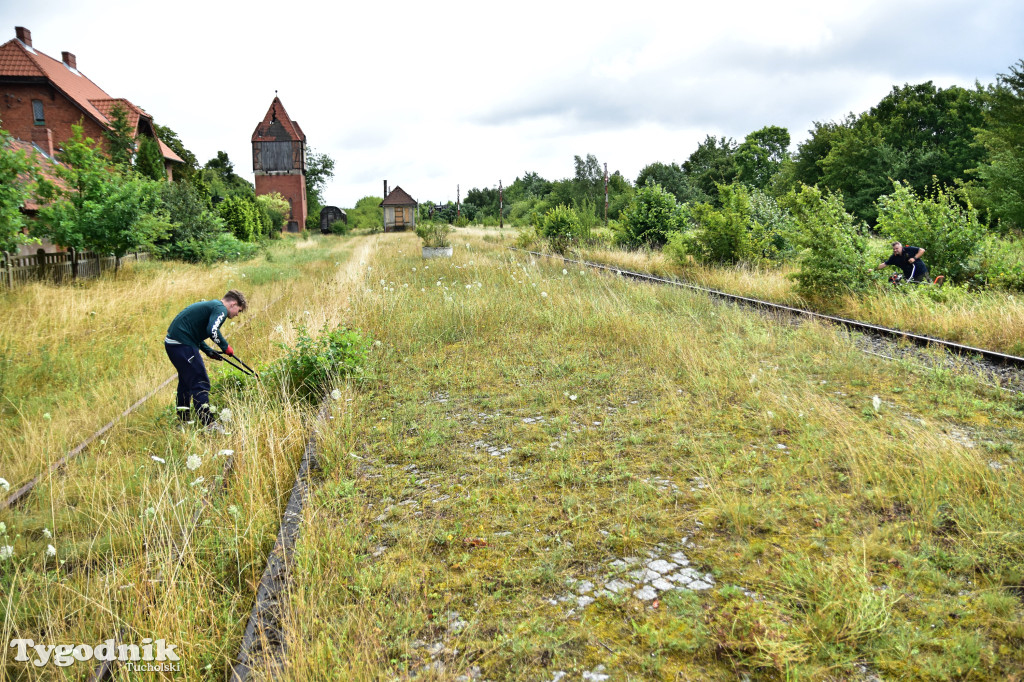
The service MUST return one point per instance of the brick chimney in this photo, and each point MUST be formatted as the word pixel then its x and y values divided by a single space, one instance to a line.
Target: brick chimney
pixel 69 60
pixel 43 138
pixel 23 34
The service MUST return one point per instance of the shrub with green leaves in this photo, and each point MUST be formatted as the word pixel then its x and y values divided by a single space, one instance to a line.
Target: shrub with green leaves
pixel 434 234
pixel 308 368
pixel 562 228
pixel 947 230
pixel 650 217
pixel 833 259
pixel 241 217
pixel 339 227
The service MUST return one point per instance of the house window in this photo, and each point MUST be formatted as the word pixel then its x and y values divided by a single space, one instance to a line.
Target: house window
pixel 37 112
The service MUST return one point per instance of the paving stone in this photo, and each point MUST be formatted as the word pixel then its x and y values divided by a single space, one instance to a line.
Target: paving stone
pixel 680 559
pixel 645 593
pixel 597 675
pixel 617 586
pixel 699 585
pixel 584 587
pixel 662 584
pixel 661 566
pixel 584 601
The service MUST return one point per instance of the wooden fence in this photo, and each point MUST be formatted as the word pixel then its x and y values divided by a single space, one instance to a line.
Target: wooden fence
pixel 65 266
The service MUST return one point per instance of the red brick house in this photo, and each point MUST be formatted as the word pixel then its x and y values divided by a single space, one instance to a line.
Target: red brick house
pixel 279 162
pixel 41 97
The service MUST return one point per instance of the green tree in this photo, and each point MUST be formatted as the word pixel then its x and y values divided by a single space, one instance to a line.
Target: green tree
pixel 277 209
pixel 672 178
pixel 319 169
pixel 813 151
pixel 562 227
pixel 194 228
pixel 949 232
pixel 759 156
pixel 219 179
pixel 19 180
pixel 367 214
pixel 149 161
pixel 240 216
pixel 713 163
pixel 120 136
pixel 101 209
pixel 484 202
pixel 913 134
pixel 1002 138
pixel 188 170
pixel 834 246
pixel 650 218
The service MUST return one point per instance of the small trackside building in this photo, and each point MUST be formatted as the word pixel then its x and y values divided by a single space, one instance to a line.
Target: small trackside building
pixel 399 210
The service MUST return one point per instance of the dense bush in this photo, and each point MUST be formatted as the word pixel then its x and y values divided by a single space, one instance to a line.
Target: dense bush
pixel 241 216
pixel 1002 264
pixel 949 233
pixel 833 257
pixel 434 234
pixel 366 214
pixel 194 227
pixel 339 227
pixel 561 226
pixel 650 217
pixel 221 247
pixel 308 368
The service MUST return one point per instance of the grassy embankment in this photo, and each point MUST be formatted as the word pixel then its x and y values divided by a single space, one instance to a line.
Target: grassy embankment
pixel 135 549
pixel 528 431
pixel 986 319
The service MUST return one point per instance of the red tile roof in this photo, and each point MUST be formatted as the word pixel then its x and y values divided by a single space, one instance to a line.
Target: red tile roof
pixel 277 123
pixel 45 163
pixel 17 59
pixel 398 197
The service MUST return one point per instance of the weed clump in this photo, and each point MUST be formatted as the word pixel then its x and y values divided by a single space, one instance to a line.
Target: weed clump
pixel 310 366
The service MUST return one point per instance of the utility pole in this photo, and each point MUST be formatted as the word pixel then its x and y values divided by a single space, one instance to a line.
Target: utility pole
pixel 501 213
pixel 458 209
pixel 606 194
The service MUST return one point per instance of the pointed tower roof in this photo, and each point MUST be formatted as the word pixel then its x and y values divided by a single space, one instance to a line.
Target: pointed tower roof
pixel 277 126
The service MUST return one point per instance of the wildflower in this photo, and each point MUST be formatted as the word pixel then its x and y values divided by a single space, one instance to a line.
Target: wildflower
pixel 51 551
pixel 469 286
pixel 194 462
pixel 183 409
pixel 572 397
pixel 3 528
pixel 225 415
pixel 877 402
pixel 197 481
pixel 6 552
pixel 233 511
pixel 279 329
pixel 422 290
pixel 306 312
pixel 414 269
pixel 581 272
pixel 336 394
pixel 564 271
pixel 405 285
pixel 213 409
pixel 157 459
pixel 47 417
pixel 4 484
pixel 150 513
pixel 47 533
pixel 225 453
pixel 377 342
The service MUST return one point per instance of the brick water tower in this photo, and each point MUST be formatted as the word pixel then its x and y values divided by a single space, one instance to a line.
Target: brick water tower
pixel 279 161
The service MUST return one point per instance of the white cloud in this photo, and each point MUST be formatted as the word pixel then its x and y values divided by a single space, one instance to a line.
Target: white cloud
pixel 430 95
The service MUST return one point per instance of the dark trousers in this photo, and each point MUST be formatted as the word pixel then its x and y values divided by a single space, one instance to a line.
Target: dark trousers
pixel 193 382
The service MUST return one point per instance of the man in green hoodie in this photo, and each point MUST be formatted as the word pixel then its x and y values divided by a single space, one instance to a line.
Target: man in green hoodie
pixel 185 338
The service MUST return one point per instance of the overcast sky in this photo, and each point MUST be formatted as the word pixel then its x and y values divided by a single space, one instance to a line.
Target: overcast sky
pixel 429 95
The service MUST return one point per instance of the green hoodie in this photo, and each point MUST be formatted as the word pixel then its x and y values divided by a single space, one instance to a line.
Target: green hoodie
pixel 199 321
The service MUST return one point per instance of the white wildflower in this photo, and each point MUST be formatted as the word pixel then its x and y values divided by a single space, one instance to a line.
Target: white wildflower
pixel 150 513
pixel 6 552
pixel 279 329
pixel 544 294
pixel 4 484
pixel 233 511
pixel 225 453
pixel 414 269
pixel 422 290
pixel 157 459
pixel 564 271
pixel 47 416
pixel 876 402
pixel 572 397
pixel 3 528
pixel 197 481
pixel 51 551
pixel 225 415
pixel 194 462
pixel 336 394
pixel 47 533
pixel 306 312
pixel 377 342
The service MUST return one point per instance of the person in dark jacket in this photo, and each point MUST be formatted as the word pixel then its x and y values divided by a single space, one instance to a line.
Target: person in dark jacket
pixel 186 337
pixel 907 259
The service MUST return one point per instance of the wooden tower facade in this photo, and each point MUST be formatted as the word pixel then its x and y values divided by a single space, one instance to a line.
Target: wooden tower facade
pixel 279 161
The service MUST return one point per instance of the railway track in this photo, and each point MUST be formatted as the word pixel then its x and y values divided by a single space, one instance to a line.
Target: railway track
pixel 991 358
